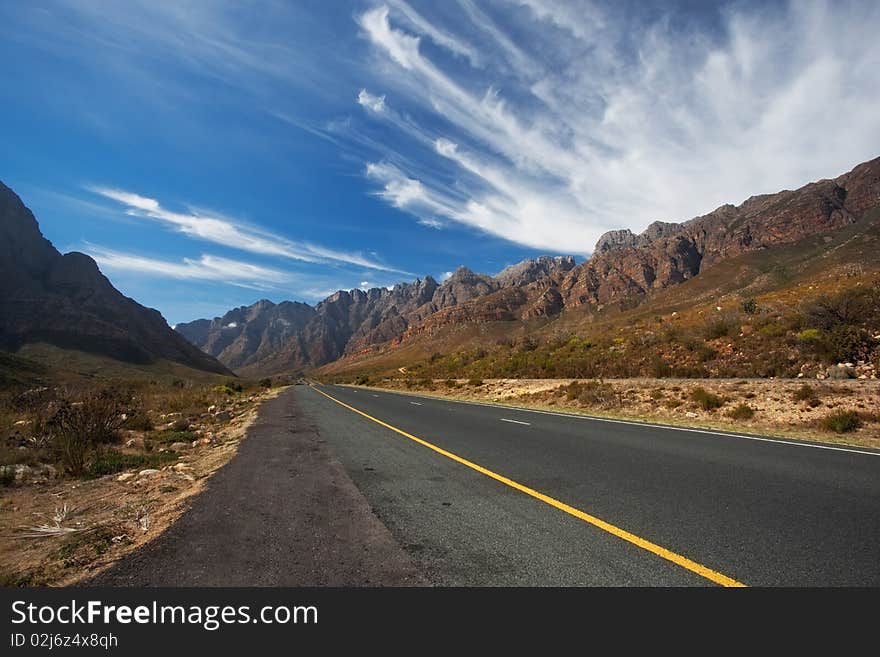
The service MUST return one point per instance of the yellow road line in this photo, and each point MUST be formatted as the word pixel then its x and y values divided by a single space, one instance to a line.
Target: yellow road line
pixel 658 550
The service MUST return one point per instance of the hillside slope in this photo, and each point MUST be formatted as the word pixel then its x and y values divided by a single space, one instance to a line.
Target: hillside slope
pixel 624 270
pixel 64 300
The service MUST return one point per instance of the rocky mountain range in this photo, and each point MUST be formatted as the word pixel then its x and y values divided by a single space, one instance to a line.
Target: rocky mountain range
pixel 268 338
pixel 271 338
pixel 64 300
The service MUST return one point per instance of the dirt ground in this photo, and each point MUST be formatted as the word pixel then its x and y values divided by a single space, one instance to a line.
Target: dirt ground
pixel 61 531
pixel 779 407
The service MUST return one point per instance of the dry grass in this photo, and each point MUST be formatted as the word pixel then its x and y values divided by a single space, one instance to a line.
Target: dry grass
pixel 668 401
pixel 59 531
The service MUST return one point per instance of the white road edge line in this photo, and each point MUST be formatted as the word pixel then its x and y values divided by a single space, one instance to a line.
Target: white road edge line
pixel 504 419
pixel 416 403
pixel 778 441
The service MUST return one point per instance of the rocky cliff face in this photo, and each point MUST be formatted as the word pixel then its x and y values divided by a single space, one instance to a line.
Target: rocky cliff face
pixel 529 271
pixel 623 265
pixel 66 301
pixel 249 331
pixel 666 254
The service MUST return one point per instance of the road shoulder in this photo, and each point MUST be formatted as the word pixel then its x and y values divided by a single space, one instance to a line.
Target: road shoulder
pixel 282 512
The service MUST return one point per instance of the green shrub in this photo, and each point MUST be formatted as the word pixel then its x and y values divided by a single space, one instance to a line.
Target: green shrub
pixel 224 390
pixel 7 476
pixel 705 353
pixel 805 393
pixel 362 380
pixel 705 399
pixel 138 422
pixel 234 385
pixel 475 382
pixel 80 427
pixel 809 335
pixel 841 421
pixel 749 306
pixel 773 330
pixel 450 383
pixel 266 383
pixel 672 403
pixel 660 369
pixel 741 412
pixel 850 308
pixel 848 343
pixel 172 436
pixel 111 462
pixel 718 328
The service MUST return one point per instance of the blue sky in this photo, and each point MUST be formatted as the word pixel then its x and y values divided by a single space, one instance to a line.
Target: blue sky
pixel 209 154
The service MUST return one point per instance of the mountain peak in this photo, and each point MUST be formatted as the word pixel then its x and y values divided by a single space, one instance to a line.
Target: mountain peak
pixel 528 271
pixel 66 301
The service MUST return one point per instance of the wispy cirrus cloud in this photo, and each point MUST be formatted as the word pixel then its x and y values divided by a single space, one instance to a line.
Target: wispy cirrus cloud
pixel 218 229
pixel 596 118
pixel 205 268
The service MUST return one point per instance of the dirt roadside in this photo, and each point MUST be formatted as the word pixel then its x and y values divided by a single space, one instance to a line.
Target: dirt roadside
pixel 794 408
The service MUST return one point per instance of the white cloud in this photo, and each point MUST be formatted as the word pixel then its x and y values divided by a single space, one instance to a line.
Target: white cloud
pixel 630 121
pixel 366 284
pixel 215 228
pixel 371 102
pixel 205 268
pixel 415 21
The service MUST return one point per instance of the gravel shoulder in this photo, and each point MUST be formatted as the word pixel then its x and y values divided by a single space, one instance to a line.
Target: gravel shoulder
pixel 282 512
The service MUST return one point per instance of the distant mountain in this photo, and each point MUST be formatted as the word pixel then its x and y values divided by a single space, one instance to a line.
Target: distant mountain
pixel 623 266
pixel 64 300
pixel 269 338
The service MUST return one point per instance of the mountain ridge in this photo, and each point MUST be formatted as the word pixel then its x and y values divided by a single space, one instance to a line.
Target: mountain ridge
pixel 65 300
pixel 623 266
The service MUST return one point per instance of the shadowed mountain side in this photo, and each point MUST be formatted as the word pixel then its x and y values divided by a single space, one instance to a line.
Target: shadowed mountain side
pixel 65 300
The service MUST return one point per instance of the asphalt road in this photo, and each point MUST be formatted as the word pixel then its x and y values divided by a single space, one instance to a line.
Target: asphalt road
pixel 282 512
pixel 754 511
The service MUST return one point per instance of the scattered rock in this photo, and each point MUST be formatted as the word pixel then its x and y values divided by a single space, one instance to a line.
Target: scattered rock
pixel 841 371
pixel 176 447
pixel 223 416
pixel 149 472
pixel 131 442
pixel 692 414
pixel 125 476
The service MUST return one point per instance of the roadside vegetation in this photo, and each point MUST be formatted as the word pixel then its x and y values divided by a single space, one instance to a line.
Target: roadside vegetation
pixel 830 335
pixel 88 471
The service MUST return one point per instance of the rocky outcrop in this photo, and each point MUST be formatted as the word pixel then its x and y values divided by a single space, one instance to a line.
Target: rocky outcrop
pixel 625 264
pixel 248 332
pixel 530 271
pixel 65 300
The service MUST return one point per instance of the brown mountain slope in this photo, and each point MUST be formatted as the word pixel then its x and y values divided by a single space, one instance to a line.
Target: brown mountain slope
pixel 64 300
pixel 700 328
pixel 623 269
